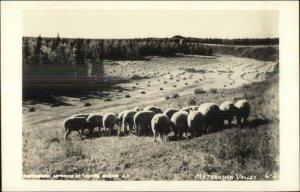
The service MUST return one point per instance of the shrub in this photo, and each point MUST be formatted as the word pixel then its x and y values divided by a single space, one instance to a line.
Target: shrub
pixel 32 109
pixel 199 91
pixel 87 104
pixel 136 77
pixel 127 96
pixel 245 86
pixel 191 102
pixel 213 90
pixel 174 95
pixel 143 92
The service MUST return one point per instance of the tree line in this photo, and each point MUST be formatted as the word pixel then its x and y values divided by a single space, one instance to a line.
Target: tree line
pixel 237 41
pixel 67 51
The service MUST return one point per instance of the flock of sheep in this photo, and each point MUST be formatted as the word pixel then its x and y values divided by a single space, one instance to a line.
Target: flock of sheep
pixel 197 120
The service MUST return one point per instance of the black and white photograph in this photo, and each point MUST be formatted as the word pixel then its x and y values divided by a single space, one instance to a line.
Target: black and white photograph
pixel 144 92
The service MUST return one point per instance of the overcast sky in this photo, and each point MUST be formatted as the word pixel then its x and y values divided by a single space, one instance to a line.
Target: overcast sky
pixel 150 23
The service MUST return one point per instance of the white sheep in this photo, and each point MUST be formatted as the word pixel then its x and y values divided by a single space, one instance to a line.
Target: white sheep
pixel 95 120
pixel 228 111
pixel 161 125
pixel 195 122
pixel 142 122
pixel 156 110
pixel 243 111
pixel 169 112
pixel 128 120
pixel 109 121
pixel 120 118
pixel 180 125
pixel 76 124
pixel 212 118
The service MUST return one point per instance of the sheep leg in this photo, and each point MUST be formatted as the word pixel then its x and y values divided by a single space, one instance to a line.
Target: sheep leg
pixel 229 122
pixel 111 130
pixel 92 132
pixel 126 129
pixel 139 130
pixel 149 131
pixel 155 134
pixel 180 133
pixel 123 128
pixel 80 133
pixel 67 133
pixel 194 133
pixel 238 122
pixel 161 136
pixel 119 131
pixel 130 128
pixel 175 134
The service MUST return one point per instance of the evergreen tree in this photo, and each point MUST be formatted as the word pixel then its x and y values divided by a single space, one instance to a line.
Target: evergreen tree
pixel 79 52
pixel 37 51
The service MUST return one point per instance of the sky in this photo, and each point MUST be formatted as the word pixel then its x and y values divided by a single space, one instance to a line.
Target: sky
pixel 108 24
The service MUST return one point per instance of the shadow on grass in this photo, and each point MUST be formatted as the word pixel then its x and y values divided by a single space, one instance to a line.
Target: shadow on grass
pixel 173 138
pixel 256 122
pixel 248 124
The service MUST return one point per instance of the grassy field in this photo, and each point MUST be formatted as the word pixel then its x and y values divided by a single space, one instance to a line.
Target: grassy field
pixel 251 151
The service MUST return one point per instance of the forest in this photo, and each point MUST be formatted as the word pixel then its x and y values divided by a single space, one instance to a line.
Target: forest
pixel 66 51
pixel 63 51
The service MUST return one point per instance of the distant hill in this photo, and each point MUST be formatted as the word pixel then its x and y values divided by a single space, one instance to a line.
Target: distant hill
pixel 178 37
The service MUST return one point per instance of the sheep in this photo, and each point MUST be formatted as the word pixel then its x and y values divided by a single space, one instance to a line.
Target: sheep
pixel 142 122
pixel 95 120
pixel 195 122
pixel 212 118
pixel 120 118
pixel 243 111
pixel 161 125
pixel 76 124
pixel 228 111
pixel 179 120
pixel 156 110
pixel 109 121
pixel 128 116
pixel 169 112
